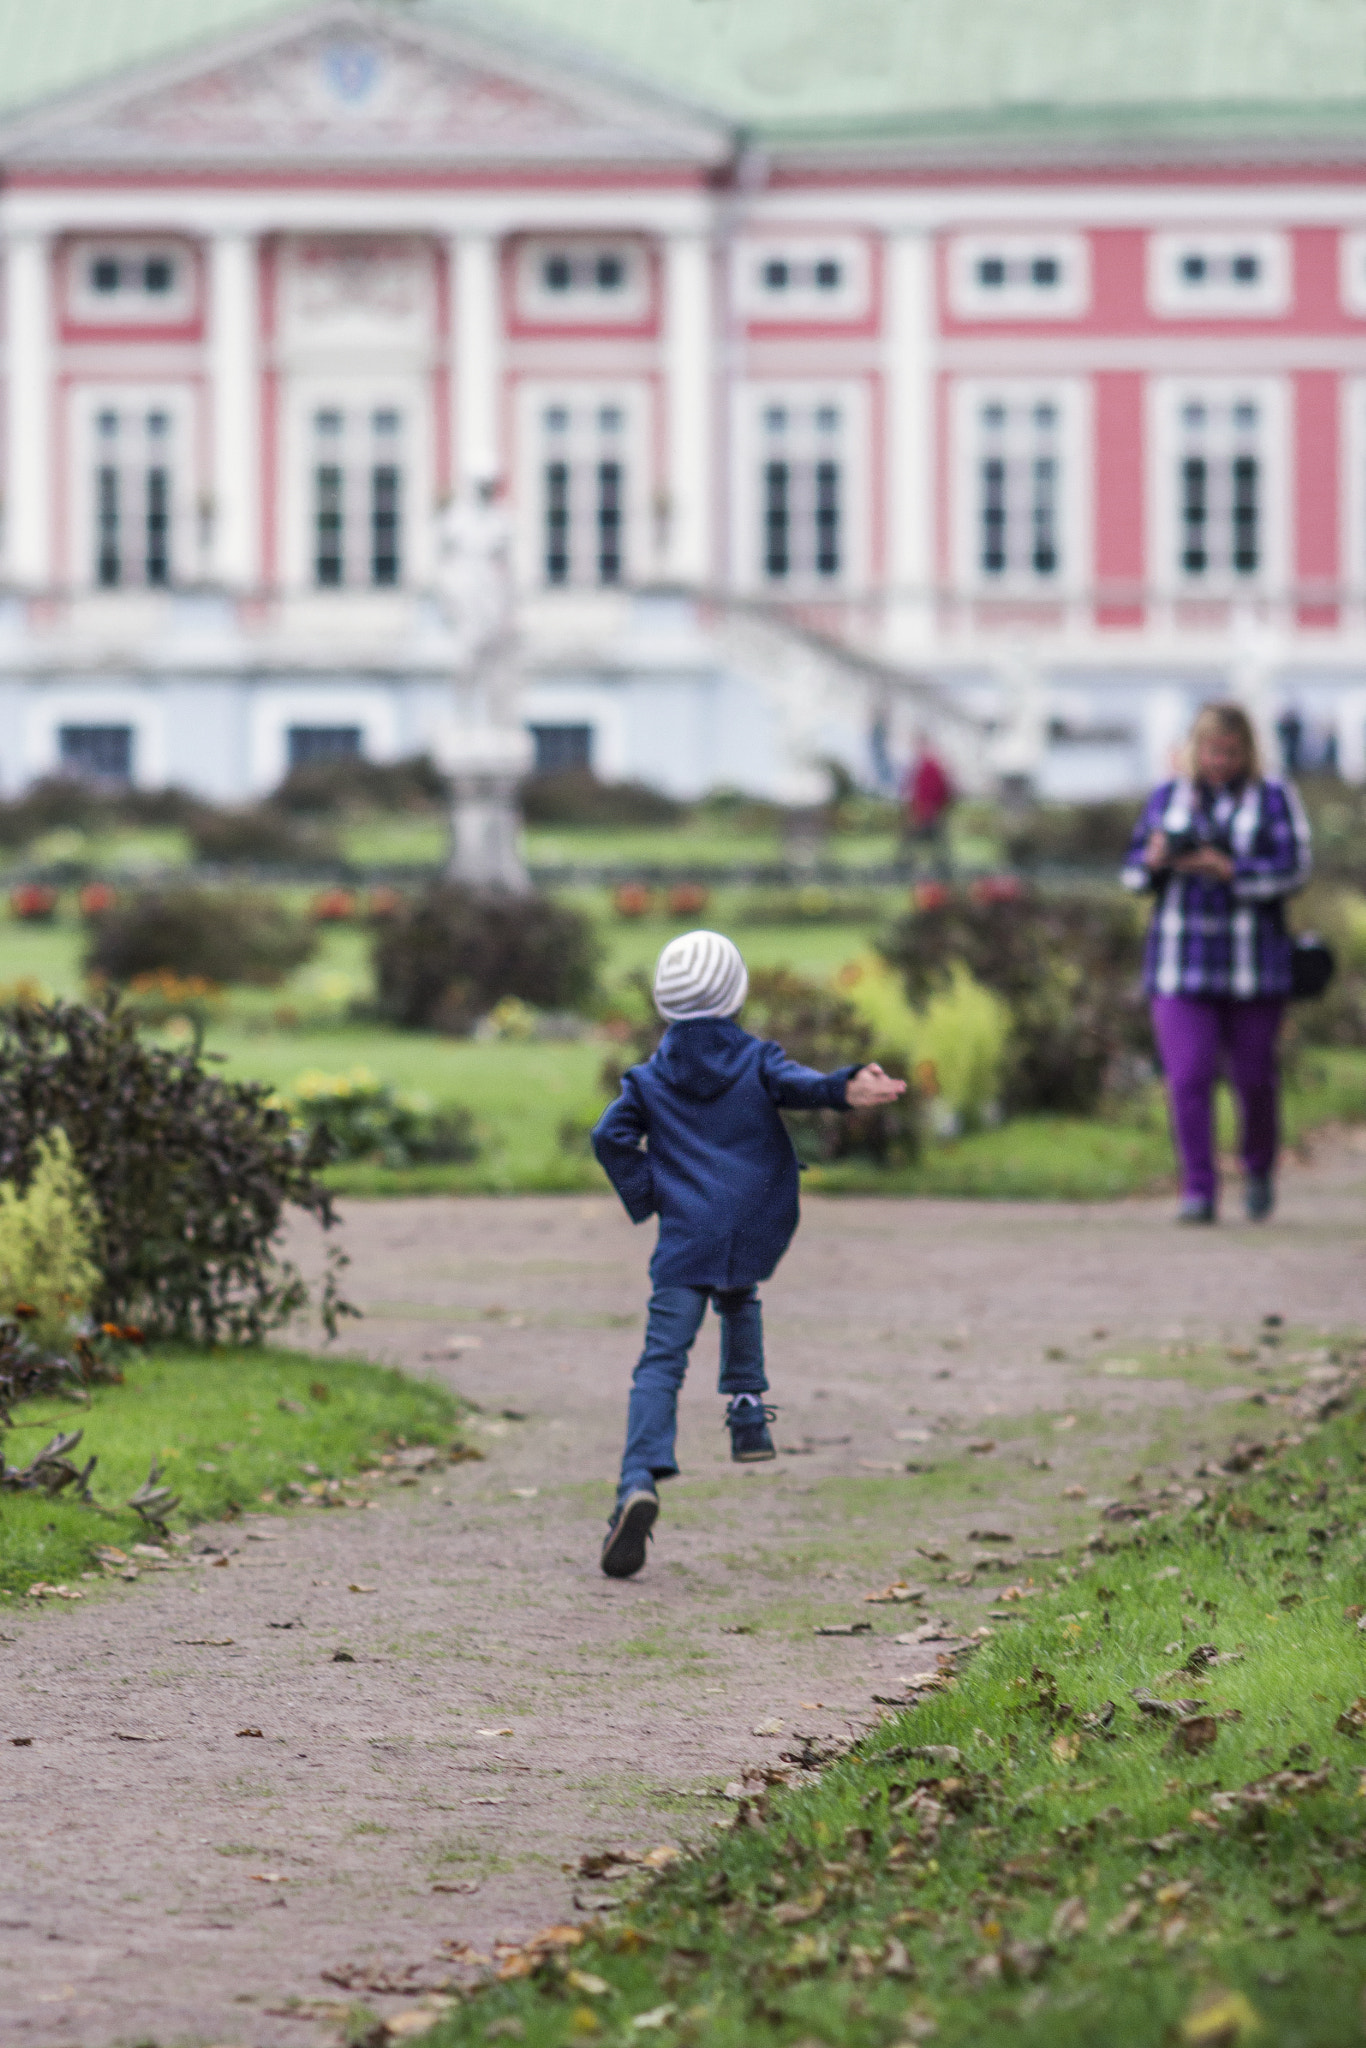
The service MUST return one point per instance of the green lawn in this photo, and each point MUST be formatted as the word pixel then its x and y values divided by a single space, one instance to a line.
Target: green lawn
pixel 214 1421
pixel 1029 1858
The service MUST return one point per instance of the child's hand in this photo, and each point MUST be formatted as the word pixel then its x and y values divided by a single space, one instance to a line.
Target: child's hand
pixel 870 1087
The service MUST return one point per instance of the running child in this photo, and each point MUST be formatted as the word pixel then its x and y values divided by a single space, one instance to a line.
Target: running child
pixel 695 1138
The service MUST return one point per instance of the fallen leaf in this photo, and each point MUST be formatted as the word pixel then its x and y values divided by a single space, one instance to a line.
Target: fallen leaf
pixel 1070 1919
pixel 121 1736
pixel 207 1642
pixel 410 2025
pixel 935 1556
pixel 585 1981
pixel 768 1728
pixel 1174 1929
pixel 487 1799
pixel 1195 1733
pixel 268 1877
pixel 1065 1422
pixel 1066 1748
pixel 1127 1918
pixel 489 1733
pixel 658 2016
pixel 362 1589
pixel 457 1884
pixel 793 1911
pixel 241 1731
pixel 21 1741
pixel 1352 1720
pixel 990 1536
pixel 1221 2019
pixel 524 1492
pixel 897 1594
pixel 1121 1368
pixel 982 1446
pixel 1074 1493
pixel 896 1962
pixel 660 1858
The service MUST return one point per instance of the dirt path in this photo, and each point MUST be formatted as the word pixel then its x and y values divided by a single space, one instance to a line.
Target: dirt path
pixel 507 1707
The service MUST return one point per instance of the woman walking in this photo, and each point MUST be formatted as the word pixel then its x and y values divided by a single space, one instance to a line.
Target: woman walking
pixel 1221 848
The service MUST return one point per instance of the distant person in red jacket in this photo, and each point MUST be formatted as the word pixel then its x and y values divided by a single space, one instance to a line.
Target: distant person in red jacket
pixel 927 796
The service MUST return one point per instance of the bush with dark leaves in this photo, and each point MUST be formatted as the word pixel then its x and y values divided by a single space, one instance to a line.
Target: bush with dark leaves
pixel 256 835
pixel 445 958
pixel 574 796
pixel 221 935
pixel 1066 963
pixel 818 1028
pixel 1069 835
pixel 191 1174
pixel 331 789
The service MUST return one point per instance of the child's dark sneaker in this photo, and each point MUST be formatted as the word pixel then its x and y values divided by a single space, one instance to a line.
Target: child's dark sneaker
pixel 747 1419
pixel 623 1550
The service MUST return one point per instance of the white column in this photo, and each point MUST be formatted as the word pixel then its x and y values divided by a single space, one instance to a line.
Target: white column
pixel 28 397
pixel 912 511
pixel 689 361
pixel 477 330
pixel 234 368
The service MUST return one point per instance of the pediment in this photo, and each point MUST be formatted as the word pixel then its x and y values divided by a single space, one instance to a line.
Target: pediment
pixel 345 83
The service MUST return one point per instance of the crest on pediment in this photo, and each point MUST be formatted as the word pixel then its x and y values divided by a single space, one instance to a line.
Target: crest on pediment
pixel 347 82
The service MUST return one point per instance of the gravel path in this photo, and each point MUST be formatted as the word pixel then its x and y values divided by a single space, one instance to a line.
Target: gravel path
pixel 169 1875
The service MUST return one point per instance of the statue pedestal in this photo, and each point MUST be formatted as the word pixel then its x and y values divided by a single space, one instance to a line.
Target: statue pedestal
pixel 485 770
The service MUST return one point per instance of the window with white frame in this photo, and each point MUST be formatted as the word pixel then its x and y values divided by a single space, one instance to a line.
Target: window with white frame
pixel 137 488
pixel 1019 477
pixel 581 280
pixel 1225 274
pixel 1219 449
pixel 803 491
pixel 357 485
pixel 802 278
pixel 585 494
pixel 1019 276
pixel 130 283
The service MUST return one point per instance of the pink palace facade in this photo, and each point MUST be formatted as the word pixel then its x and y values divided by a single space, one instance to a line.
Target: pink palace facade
pixel 799 446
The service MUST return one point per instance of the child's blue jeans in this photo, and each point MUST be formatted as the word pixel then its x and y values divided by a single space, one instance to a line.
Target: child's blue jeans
pixel 674 1320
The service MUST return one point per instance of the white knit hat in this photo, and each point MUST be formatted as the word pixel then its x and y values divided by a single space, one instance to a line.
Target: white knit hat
pixel 700 975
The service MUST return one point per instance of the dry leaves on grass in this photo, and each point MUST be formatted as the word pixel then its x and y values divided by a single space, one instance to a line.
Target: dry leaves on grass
pixel 897 1594
pixel 1352 1720
pixel 846 1628
pixel 1193 1735
pixel 1220 2019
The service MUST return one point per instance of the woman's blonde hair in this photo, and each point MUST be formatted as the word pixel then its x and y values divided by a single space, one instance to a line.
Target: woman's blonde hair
pixel 1231 722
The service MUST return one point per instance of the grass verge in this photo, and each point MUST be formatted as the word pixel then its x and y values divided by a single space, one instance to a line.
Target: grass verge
pixel 226 1427
pixel 1028 1856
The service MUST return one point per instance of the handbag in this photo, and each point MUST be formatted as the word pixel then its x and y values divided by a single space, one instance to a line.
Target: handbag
pixel 1313 964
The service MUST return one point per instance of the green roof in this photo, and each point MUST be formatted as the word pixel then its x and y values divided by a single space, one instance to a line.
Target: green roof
pixel 907 68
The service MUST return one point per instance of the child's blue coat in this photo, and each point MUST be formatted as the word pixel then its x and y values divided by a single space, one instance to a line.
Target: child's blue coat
pixel 695 1137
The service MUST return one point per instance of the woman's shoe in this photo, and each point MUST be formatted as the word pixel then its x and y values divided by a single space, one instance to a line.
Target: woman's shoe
pixel 747 1419
pixel 1259 1197
pixel 623 1550
pixel 1196 1209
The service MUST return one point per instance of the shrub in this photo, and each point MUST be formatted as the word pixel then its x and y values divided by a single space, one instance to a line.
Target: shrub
pixel 574 796
pixel 1338 1017
pixel 332 788
pixel 219 935
pixel 1066 965
pixel 363 1117
pixel 955 1045
pixel 190 1174
pixel 819 1028
pixel 447 957
pixel 1069 835
pixel 48 1235
pixel 256 834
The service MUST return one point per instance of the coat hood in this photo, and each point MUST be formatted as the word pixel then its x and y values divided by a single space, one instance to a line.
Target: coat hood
pixel 703 1057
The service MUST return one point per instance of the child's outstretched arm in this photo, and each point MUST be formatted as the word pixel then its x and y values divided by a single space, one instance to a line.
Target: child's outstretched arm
pixel 617 1137
pixel 796 1087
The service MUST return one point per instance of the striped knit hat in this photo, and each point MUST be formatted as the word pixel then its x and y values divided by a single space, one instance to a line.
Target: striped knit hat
pixel 700 975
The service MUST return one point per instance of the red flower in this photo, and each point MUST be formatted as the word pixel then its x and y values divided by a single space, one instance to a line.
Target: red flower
pixel 333 906
pixel 688 899
pixel 633 899
pixel 33 902
pixel 931 895
pixel 96 899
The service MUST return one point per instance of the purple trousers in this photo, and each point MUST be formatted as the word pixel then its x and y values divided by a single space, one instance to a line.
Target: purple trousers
pixel 1200 1038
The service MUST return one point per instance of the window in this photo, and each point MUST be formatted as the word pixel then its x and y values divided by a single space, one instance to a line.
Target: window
pixel 96 753
pixel 357 477
pixel 561 747
pixel 802 492
pixel 584 490
pixel 1218 450
pixel 1221 274
pixel 308 746
pixel 130 283
pixel 1017 484
pixel 135 495
pixel 593 282
pixel 803 279
pixel 1019 276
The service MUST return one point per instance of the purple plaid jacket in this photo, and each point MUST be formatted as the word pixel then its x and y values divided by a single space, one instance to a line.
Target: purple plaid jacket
pixel 1222 938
